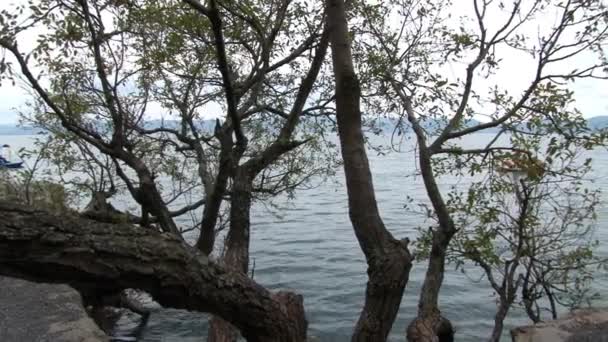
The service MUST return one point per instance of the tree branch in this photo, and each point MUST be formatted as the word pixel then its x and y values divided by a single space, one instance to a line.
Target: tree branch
pixel 107 258
pixel 213 14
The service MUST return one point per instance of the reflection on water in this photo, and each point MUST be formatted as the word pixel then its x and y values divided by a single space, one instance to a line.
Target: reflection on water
pixel 312 250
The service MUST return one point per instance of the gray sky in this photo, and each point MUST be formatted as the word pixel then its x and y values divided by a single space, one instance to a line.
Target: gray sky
pixel 591 95
pixel 10 98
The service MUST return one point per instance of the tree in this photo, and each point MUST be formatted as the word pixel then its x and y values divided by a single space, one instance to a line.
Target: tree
pixel 108 62
pixel 530 234
pixel 388 259
pixel 93 259
pixel 108 74
pixel 265 31
pixel 407 47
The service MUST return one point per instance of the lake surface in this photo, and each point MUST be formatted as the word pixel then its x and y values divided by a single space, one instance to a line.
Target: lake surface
pixel 307 245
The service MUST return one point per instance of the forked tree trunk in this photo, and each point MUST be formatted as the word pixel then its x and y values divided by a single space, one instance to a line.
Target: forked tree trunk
pixel 237 244
pixel 388 259
pixel 107 258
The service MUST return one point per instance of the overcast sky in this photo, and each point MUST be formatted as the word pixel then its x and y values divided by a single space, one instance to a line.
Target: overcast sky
pixel 591 95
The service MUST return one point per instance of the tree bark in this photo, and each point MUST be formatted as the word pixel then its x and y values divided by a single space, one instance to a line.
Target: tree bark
pixel 146 194
pixel 499 319
pixel 206 240
pixel 236 254
pixel 429 323
pixel 107 258
pixel 388 259
pixel 152 201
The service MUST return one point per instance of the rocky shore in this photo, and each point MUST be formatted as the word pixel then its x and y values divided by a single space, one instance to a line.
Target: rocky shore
pixel 588 325
pixel 54 313
pixel 45 313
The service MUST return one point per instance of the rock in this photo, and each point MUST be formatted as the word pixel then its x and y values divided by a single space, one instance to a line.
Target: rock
pixel 44 313
pixel 588 325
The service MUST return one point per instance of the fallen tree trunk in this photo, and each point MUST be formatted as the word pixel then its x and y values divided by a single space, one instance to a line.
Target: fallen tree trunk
pixel 107 258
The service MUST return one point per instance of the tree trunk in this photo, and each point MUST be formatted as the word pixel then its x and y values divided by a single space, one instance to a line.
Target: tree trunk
pixel 206 240
pixel 221 331
pixel 429 324
pixel 99 209
pixel 237 244
pixel 388 259
pixel 236 254
pixel 499 319
pixel 107 258
pixel 151 201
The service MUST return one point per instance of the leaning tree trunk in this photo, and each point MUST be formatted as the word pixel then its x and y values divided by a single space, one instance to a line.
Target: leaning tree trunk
pixel 150 198
pixel 388 259
pixel 147 193
pixel 107 258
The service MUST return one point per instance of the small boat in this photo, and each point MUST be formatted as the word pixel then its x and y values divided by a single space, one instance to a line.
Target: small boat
pixel 10 165
pixel 6 164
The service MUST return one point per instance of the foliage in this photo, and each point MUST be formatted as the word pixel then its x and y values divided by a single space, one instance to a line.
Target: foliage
pixel 34 185
pixel 534 232
pixel 110 65
pixel 101 68
pixel 441 75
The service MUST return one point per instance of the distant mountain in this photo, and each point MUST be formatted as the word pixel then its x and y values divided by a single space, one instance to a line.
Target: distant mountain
pixel 204 125
pixel 598 122
pixel 7 129
pixel 387 125
pixel 14 129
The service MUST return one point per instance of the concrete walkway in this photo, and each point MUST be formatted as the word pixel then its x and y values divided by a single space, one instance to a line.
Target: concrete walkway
pixel 44 313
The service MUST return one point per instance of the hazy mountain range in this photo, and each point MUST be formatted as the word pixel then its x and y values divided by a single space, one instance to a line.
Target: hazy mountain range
pixel 8 129
pixel 597 122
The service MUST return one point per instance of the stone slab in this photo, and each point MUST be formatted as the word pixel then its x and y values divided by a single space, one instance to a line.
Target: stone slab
pixel 44 313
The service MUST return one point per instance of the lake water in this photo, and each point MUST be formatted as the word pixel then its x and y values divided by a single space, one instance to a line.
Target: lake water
pixel 308 246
